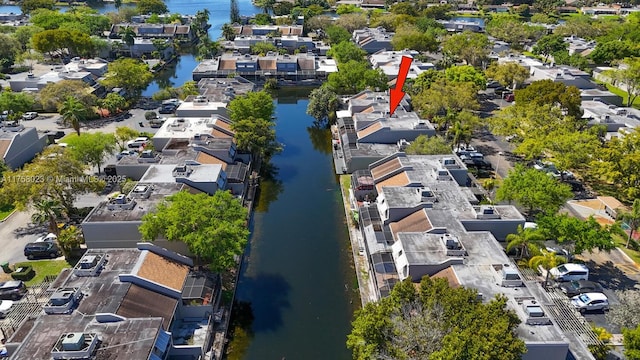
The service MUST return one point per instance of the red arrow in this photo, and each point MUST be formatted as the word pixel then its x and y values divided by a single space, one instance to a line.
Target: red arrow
pixel 396 94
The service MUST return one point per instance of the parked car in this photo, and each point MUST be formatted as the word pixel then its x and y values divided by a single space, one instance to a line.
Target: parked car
pixel 41 250
pixel 50 237
pixel 12 290
pixel 137 142
pixel 471 155
pixel 5 308
pixel 124 153
pixel 478 163
pixel 577 287
pixel 509 98
pixel 493 85
pixel 167 109
pixel 593 301
pixel 30 115
pixel 570 272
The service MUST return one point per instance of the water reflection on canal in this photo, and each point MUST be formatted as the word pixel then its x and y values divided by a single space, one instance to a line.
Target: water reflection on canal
pixel 296 291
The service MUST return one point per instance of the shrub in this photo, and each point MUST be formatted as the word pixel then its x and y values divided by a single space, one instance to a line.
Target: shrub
pixel 26 273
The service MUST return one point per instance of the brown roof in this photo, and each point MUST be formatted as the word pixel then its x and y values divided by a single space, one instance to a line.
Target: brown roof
pixel 223 124
pixel 385 168
pixel 204 158
pixel 227 64
pixel 182 29
pixel 169 29
pixel 611 202
pixel 306 64
pixel 4 146
pixel 246 30
pixel 368 110
pixel 369 130
pixel 362 96
pixel 267 64
pixel 163 271
pixel 416 222
pixel 142 303
pixel 448 274
pixel 219 134
pixel 295 31
pixel 400 179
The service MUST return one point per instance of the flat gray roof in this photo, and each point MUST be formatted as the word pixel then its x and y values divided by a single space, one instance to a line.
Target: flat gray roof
pixel 159 192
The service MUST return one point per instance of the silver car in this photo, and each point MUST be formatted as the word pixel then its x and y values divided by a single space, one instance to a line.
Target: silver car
pixel 590 302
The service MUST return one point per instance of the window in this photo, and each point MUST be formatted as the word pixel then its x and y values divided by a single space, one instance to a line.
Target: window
pixel 400 253
pixel 405 270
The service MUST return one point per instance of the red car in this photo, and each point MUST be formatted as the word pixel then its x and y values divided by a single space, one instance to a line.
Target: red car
pixel 509 98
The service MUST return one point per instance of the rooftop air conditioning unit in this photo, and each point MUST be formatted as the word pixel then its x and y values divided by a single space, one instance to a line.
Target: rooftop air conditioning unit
pixel 534 313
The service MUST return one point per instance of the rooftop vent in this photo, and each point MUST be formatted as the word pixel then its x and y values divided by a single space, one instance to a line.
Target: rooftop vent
pixel 510 277
pixel 90 265
pixel 62 301
pixel 420 125
pixel 449 163
pixel 403 144
pixel 426 195
pixel 74 346
pixel 534 313
pixel 121 202
pixel 453 245
pixel 486 212
pixel 441 174
pixel 182 170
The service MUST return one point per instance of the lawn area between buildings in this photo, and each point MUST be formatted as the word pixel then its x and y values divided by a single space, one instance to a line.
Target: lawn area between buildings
pixel 43 268
pixel 623 95
pixel 67 137
pixel 621 242
pixel 5 211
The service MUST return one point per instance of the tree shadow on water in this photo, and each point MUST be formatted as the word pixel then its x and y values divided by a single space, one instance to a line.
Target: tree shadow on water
pixel 270 187
pixel 264 297
pixel 320 137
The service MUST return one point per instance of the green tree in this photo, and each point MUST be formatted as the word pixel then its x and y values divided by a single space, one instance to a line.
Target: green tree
pixel 472 48
pixel 9 50
pixel 547 260
pixel 466 73
pixel 152 7
pixel 234 12
pixel 128 36
pixel 618 163
pixel 631 218
pixel 266 5
pixel 92 148
pixel 438 12
pixel 262 48
pixel 73 112
pixel 130 74
pixel 337 34
pixel 446 97
pixel 70 239
pixel 510 29
pixel 534 190
pixel 527 241
pixel 508 74
pixel 409 36
pixel 540 18
pixel 24 34
pixel 354 76
pixel 322 104
pixel 125 133
pixel 428 145
pixel 346 51
pixel 351 22
pixel 50 168
pixel 631 342
pixel 16 102
pixel 213 227
pixel 425 323
pixel 256 136
pixel 343 9
pixel 257 104
pixel 228 32
pixel 627 77
pixel 53 95
pixel 117 4
pixel 48 211
pixel 543 92
pixel 113 102
pixel 548 45
pixel 607 52
pixel 403 8
pixel 27 6
pixel 625 314
pixel 575 234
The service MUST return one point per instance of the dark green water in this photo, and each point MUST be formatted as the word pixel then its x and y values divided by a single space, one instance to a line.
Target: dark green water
pixel 297 283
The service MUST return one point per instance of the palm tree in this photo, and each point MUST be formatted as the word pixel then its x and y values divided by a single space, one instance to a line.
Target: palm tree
pixel 547 260
pixel 459 133
pixel 73 111
pixel 228 32
pixel 129 37
pixel 527 241
pixel 70 239
pixel 632 219
pixel 48 211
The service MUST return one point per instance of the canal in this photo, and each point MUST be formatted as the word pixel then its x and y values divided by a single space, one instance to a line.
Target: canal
pixel 296 288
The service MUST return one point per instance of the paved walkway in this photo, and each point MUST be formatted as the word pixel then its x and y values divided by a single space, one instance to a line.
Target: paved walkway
pixel 365 277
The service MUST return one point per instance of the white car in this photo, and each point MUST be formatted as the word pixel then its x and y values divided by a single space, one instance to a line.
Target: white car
pixel 590 302
pixel 124 153
pixel 30 115
pixel 5 308
pixel 50 237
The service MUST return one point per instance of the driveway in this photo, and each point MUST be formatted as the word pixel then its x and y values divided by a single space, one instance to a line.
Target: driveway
pixel 493 148
pixel 15 233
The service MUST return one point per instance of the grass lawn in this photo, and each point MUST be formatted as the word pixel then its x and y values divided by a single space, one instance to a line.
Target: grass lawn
pixel 624 96
pixel 68 137
pixel 44 268
pixel 621 242
pixel 5 210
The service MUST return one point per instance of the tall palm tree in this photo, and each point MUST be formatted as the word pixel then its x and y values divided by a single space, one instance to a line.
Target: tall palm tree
pixel 117 4
pixel 73 111
pixel 129 37
pixel 459 133
pixel 632 219
pixel 547 260
pixel 48 211
pixel 228 32
pixel 527 241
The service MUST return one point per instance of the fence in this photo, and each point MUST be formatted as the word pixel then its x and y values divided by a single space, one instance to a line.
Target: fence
pixel 28 307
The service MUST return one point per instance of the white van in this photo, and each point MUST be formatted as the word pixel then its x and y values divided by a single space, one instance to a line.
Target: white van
pixel 570 272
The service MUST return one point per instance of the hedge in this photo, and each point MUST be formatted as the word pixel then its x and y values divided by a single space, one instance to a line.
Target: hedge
pixel 26 273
